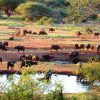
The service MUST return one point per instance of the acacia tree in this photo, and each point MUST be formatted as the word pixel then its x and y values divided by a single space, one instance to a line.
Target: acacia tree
pixel 9 6
pixel 34 10
pixel 80 10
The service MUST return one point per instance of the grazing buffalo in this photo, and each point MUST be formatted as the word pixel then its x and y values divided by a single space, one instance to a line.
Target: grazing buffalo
pixel 88 46
pixel 51 30
pixel 76 46
pixel 1 60
pixel 26 32
pixel 20 48
pixel 47 57
pixel 82 46
pixel 74 57
pixel 55 47
pixel 28 63
pixel 34 33
pixel 42 33
pixel 11 64
pixel 79 34
pixel 96 34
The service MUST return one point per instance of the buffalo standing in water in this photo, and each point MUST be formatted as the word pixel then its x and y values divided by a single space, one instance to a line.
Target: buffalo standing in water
pixel 74 57
pixel 47 57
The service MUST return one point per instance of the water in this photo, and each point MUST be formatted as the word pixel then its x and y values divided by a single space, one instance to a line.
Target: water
pixel 69 83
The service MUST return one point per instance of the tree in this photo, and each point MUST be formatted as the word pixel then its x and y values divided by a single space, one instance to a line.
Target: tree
pixel 34 10
pixel 80 10
pixel 91 71
pixel 9 6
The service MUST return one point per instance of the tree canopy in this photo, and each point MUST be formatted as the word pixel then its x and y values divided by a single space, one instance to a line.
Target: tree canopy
pixel 9 5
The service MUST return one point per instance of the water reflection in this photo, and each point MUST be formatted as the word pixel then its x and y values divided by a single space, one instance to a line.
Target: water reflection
pixel 69 83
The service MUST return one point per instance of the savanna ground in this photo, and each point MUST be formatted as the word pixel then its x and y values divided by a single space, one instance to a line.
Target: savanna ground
pixel 64 36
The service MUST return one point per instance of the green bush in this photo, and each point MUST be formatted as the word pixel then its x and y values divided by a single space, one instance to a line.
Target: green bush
pixel 45 21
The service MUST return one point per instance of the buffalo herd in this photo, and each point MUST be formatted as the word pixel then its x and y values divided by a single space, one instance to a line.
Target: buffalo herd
pixel 29 60
pixel 89 31
pixel 25 32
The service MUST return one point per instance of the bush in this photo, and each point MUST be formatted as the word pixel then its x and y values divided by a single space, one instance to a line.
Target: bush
pixel 45 21
pixel 91 71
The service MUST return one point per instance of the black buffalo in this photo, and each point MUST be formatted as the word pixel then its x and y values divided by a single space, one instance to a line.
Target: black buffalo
pixel 28 63
pixel 34 33
pixel 42 33
pixel 20 48
pixel 74 57
pixel 5 43
pixel 29 57
pixel 88 46
pixel 3 47
pixel 51 30
pixel 11 64
pixel 47 57
pixel 26 32
pixel 82 46
pixel 76 46
pixel 55 47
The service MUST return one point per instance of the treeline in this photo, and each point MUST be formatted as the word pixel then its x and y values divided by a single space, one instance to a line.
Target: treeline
pixel 52 10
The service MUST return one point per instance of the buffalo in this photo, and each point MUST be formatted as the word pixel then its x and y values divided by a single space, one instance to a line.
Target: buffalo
pixel 11 64
pixel 79 34
pixel 74 57
pixel 55 47
pixel 51 30
pixel 20 48
pixel 42 33
pixel 47 57
pixel 29 57
pixel 88 46
pixel 82 46
pixel 76 46
pixel 3 46
pixel 34 33
pixel 26 32
pixel 28 63
pixel 5 43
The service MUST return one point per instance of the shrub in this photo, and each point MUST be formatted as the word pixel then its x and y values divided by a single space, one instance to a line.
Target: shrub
pixel 45 21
